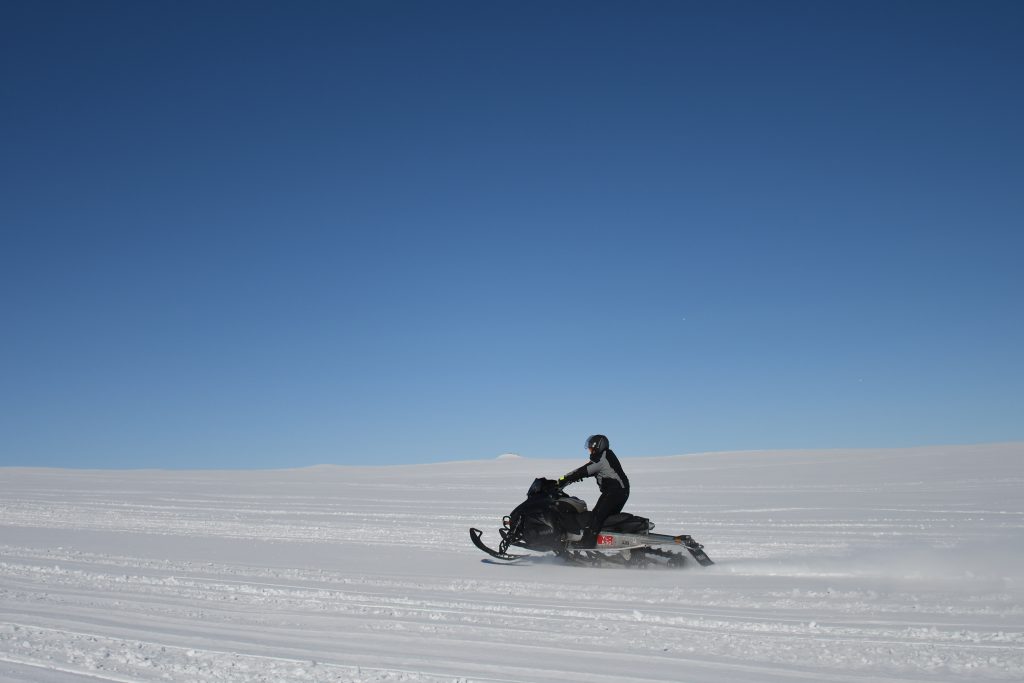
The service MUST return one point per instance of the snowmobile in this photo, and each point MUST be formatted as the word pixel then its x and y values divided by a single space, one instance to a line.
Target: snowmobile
pixel 550 520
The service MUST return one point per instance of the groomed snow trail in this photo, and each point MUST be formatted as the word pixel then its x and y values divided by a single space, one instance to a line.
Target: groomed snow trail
pixel 877 565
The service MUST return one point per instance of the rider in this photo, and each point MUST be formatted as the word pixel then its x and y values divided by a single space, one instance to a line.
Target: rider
pixel 611 479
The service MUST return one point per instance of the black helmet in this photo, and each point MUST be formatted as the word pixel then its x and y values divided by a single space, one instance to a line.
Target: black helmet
pixel 599 442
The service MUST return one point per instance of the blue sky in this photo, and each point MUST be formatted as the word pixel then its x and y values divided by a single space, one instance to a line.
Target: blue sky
pixel 280 234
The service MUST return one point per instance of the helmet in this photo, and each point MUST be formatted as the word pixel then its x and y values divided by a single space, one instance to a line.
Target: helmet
pixel 599 442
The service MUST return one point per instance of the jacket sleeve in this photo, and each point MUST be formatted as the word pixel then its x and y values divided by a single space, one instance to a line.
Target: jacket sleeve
pixel 576 475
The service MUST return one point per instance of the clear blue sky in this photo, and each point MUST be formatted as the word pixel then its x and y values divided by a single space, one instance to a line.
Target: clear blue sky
pixel 278 234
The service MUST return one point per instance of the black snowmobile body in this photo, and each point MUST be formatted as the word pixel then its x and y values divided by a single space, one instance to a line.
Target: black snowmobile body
pixel 549 520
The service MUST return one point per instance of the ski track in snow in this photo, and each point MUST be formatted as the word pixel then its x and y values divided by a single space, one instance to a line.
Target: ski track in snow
pixel 896 565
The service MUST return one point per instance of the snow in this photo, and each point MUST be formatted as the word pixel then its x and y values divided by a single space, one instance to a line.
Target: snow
pixel 841 565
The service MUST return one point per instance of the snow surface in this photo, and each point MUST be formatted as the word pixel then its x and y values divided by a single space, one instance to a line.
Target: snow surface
pixel 867 565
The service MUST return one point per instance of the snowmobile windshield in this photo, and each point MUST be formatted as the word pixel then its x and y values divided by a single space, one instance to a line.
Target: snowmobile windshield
pixel 542 487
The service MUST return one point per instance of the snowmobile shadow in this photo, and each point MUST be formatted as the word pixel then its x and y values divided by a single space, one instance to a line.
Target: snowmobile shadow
pixel 528 561
pixel 593 561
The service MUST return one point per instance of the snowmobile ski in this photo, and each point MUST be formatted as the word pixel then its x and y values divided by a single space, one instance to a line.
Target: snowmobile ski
pixel 475 534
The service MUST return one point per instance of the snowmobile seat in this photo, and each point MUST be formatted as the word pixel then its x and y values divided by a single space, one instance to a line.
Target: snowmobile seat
pixel 627 523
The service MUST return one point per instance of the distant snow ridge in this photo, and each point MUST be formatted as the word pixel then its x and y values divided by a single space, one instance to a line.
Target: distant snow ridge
pixel 509 456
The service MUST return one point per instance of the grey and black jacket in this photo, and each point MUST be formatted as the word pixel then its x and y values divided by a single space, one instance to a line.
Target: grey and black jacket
pixel 605 467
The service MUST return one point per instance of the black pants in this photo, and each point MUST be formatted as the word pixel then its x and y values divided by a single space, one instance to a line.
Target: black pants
pixel 611 501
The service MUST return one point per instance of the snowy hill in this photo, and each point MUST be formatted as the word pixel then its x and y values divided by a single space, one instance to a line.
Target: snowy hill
pixel 843 565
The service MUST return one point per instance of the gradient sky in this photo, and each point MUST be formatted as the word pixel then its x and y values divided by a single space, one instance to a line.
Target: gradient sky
pixel 241 234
